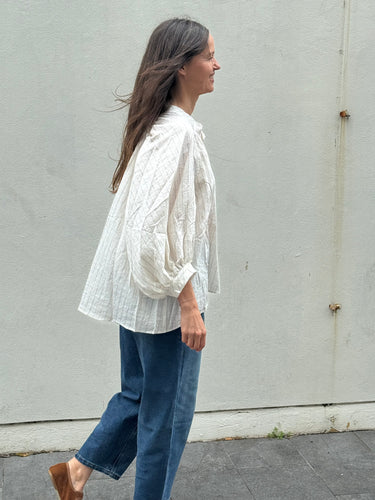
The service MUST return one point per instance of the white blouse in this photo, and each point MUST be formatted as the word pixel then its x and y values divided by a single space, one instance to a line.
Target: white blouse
pixel 160 232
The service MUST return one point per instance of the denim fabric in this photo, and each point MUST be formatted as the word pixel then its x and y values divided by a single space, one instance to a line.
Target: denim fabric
pixel 151 417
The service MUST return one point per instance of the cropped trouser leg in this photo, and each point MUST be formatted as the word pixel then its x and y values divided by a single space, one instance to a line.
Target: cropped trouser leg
pixel 150 418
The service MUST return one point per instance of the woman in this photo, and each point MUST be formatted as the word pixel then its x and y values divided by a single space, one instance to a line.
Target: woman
pixel 154 265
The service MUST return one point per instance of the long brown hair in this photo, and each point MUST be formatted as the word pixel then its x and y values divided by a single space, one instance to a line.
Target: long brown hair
pixel 172 44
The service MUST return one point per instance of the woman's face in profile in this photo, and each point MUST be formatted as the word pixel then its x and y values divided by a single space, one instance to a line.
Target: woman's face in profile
pixel 200 70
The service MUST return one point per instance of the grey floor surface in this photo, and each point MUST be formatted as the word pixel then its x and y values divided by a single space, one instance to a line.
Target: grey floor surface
pixel 317 467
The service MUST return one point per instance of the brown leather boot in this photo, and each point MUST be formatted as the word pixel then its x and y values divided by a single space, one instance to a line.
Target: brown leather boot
pixel 61 480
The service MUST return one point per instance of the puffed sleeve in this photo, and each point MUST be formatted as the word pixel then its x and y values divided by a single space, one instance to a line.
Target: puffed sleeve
pixel 160 214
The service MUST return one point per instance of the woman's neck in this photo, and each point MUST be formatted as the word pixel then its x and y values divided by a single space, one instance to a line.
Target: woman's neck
pixel 184 100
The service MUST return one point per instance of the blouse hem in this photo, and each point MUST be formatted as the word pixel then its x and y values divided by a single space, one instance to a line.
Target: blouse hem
pixel 131 328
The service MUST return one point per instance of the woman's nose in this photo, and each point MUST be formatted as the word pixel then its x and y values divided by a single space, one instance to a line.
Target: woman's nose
pixel 216 65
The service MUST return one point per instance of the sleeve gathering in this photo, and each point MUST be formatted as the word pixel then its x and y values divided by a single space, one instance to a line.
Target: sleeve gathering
pixel 160 215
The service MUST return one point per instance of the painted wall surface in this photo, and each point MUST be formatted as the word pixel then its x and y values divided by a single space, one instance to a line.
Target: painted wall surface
pixel 295 186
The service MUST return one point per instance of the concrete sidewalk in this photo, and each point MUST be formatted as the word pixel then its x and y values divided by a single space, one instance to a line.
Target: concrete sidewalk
pixel 317 467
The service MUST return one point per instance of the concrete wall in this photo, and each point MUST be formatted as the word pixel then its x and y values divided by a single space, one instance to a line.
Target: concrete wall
pixel 295 205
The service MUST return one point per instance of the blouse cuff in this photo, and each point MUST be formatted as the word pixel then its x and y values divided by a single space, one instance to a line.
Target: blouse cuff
pixel 181 279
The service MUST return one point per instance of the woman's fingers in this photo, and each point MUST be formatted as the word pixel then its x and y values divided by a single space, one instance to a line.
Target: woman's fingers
pixel 196 340
pixel 193 330
pixel 200 341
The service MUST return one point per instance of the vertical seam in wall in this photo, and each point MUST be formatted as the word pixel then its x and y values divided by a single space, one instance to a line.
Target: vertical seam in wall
pixel 340 147
pixel 339 186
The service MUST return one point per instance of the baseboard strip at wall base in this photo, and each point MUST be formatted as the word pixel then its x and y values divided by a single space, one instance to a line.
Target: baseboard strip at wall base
pixel 37 437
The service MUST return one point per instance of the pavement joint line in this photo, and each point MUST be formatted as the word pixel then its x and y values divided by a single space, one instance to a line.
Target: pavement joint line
pixel 363 442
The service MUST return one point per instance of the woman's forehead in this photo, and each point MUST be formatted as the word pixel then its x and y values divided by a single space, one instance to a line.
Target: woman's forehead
pixel 210 47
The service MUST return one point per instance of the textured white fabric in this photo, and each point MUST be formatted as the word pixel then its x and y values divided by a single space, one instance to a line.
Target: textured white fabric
pixel 159 233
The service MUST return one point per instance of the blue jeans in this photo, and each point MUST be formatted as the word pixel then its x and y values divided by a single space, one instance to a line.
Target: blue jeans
pixel 151 417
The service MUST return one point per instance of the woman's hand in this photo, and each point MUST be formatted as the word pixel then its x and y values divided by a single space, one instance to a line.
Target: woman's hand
pixel 193 330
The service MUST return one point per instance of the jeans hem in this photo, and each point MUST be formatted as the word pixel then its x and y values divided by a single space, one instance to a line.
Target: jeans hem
pixel 99 468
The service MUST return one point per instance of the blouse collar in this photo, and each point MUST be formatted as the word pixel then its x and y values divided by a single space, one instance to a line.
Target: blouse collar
pixel 198 127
